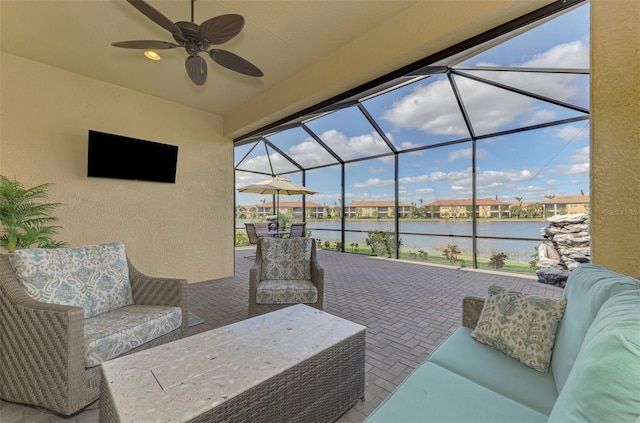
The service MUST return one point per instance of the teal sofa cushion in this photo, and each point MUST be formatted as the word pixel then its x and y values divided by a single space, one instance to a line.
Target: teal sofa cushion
pixel 496 371
pixel 434 394
pixel 587 288
pixel 604 384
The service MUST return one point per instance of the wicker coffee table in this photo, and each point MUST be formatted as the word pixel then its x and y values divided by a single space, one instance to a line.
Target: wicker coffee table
pixel 297 364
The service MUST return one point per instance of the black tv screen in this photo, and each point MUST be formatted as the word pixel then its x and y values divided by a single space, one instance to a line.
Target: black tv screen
pixel 115 156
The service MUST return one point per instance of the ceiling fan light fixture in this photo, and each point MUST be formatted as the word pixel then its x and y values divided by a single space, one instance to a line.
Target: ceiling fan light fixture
pixel 195 39
pixel 152 55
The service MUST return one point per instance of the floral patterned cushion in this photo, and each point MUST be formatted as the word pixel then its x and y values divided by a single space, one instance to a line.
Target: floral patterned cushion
pixel 520 325
pixel 111 334
pixel 94 277
pixel 286 292
pixel 286 258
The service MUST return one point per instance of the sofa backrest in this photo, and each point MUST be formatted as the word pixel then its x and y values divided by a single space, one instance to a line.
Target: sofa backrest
pixel 286 258
pixel 604 383
pixel 94 277
pixel 587 289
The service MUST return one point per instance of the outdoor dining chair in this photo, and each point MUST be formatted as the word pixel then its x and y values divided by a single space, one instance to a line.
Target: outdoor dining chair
pixel 297 229
pixel 253 236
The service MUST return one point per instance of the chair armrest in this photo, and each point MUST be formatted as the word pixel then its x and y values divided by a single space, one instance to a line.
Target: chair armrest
pixel 255 274
pixel 149 290
pixel 471 310
pixel 317 273
pixel 39 339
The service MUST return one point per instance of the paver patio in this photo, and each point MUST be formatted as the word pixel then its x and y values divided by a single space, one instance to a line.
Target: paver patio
pixel 408 309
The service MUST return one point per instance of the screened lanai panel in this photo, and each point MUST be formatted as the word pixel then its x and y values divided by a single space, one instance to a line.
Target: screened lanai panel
pixel 525 169
pixel 422 113
pixel 370 195
pixel 349 134
pixel 327 225
pixel 246 203
pixel 436 185
pixel 567 88
pixel 492 109
pixel 252 157
pixel 562 42
pixel 265 160
pixel 301 147
pixel 327 181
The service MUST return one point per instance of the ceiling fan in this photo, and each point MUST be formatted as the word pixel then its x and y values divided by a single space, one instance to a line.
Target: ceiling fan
pixel 196 39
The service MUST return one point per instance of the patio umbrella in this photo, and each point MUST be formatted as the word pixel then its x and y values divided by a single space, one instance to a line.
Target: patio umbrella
pixel 277 186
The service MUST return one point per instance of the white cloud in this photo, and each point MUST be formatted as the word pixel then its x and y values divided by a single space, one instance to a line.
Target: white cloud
pixel 540 116
pixel 433 109
pixel 418 179
pixel 579 165
pixel 424 191
pixel 429 108
pixel 572 133
pixel 467 154
pixel 373 183
pixel 353 147
pixel 309 153
pixel 570 55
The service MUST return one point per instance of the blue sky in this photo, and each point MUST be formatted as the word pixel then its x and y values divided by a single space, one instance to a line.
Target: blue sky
pixel 530 164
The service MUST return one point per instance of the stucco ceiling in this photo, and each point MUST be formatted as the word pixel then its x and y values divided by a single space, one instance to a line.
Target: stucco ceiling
pixel 280 37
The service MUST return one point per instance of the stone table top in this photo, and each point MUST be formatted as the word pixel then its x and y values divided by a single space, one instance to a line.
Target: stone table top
pixel 185 378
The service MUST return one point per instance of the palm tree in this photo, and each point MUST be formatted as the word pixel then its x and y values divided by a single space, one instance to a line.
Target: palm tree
pixel 24 220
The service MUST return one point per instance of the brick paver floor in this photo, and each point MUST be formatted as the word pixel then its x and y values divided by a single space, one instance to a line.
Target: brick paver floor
pixel 407 307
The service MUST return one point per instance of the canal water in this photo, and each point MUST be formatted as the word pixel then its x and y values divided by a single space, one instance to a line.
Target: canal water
pixel 434 236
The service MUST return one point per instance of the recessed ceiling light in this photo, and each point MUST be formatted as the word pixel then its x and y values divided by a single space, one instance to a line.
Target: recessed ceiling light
pixel 151 55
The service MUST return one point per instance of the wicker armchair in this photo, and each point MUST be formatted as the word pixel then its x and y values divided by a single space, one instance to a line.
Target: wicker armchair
pixel 283 296
pixel 42 345
pixel 471 311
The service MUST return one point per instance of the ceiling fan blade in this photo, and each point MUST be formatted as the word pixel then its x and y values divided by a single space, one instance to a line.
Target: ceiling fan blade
pixel 151 13
pixel 146 44
pixel 222 28
pixel 234 62
pixel 197 69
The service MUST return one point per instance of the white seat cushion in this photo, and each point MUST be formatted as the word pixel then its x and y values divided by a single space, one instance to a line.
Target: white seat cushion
pixel 112 334
pixel 291 291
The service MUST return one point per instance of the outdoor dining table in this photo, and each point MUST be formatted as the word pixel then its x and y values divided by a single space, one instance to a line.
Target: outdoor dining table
pixel 273 234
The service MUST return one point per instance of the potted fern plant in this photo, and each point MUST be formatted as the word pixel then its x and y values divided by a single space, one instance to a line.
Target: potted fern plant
pixel 26 221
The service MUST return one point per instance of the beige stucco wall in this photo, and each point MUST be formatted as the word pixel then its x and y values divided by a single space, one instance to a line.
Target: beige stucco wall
pixel 615 135
pixel 182 230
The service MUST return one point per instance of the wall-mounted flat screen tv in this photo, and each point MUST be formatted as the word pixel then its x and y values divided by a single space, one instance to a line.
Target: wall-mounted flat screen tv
pixel 115 156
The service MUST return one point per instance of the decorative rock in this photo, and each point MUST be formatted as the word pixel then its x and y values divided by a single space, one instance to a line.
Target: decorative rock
pixel 553 276
pixel 563 219
pixel 566 244
pixel 546 251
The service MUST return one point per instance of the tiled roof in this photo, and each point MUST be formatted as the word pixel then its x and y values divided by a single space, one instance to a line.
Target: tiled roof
pixel 467 202
pixel 376 204
pixel 567 199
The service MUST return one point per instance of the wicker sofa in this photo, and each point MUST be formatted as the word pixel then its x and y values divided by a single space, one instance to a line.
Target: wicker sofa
pixel 50 351
pixel 593 375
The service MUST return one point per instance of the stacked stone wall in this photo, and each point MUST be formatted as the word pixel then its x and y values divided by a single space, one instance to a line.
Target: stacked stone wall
pixel 567 242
